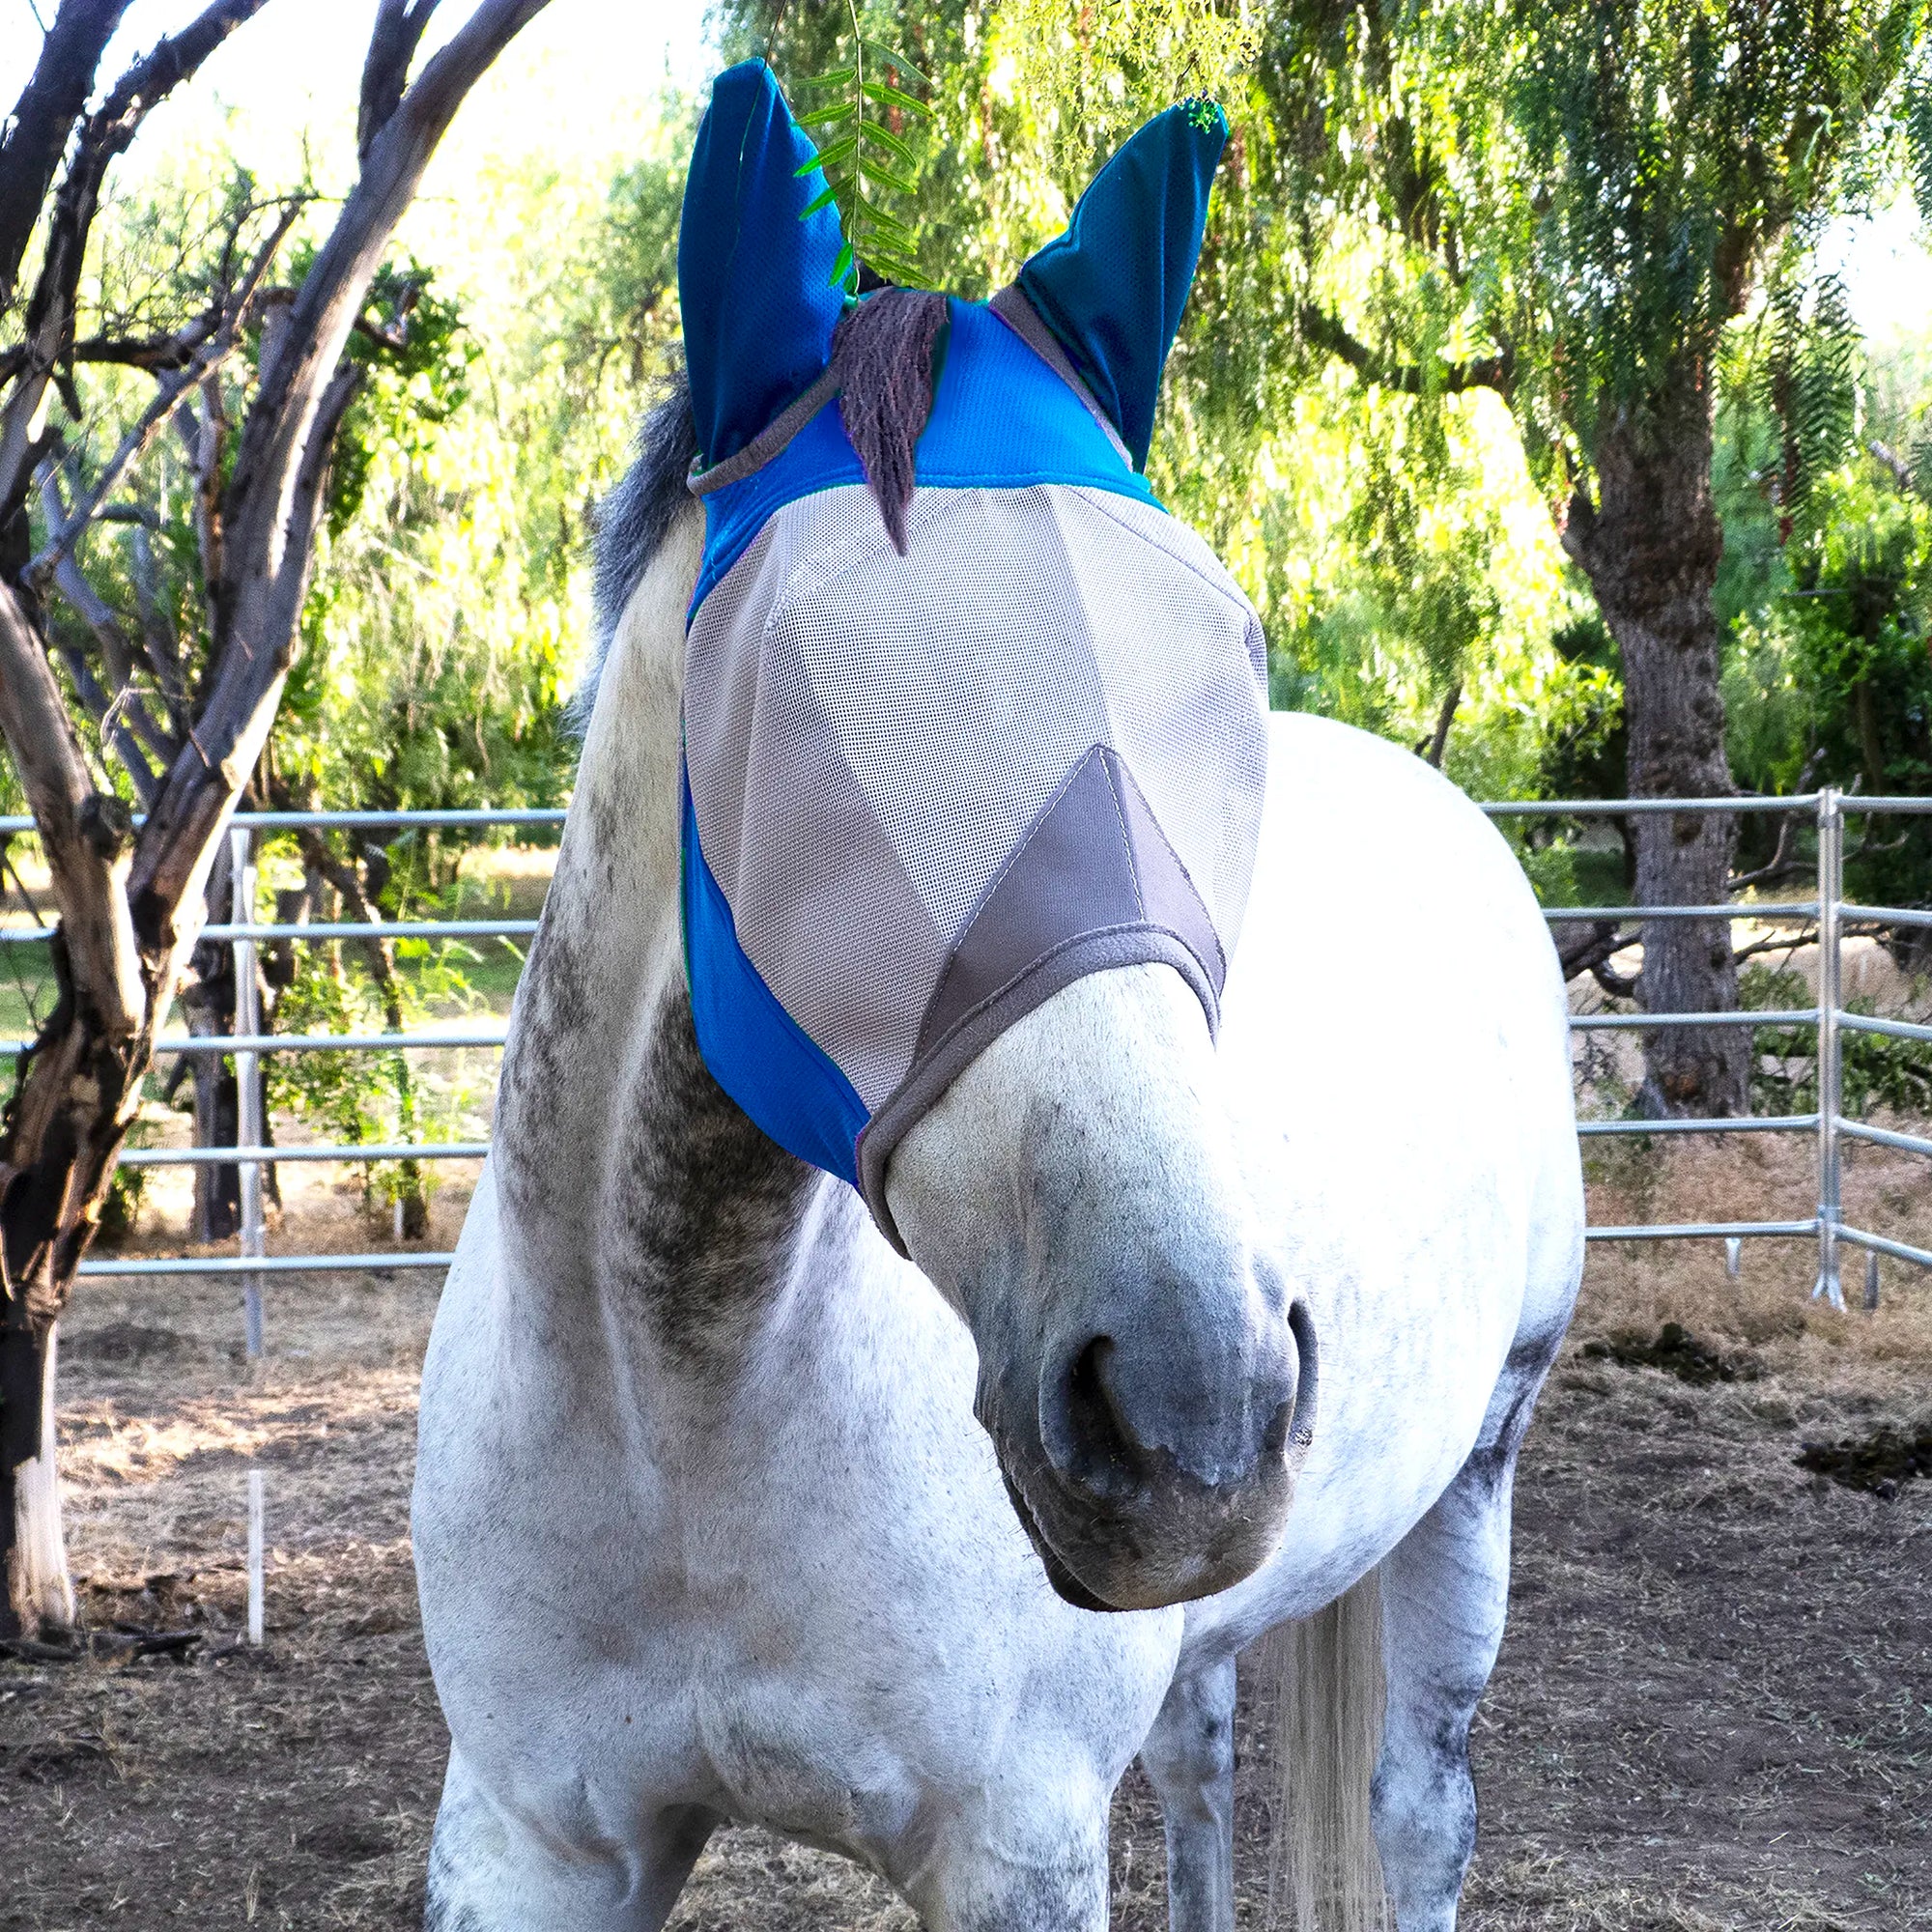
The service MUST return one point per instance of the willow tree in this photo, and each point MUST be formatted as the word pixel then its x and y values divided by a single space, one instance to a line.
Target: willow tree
pixel 119 710
pixel 1579 204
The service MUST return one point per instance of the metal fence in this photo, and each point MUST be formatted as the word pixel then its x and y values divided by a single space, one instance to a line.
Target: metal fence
pixel 1829 910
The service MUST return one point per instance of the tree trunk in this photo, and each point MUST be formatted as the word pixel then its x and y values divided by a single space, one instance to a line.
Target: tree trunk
pixel 130 910
pixel 38 1589
pixel 1649 545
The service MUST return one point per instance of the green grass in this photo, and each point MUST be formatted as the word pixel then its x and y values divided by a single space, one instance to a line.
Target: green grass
pixel 1600 879
pixel 26 988
pixel 488 965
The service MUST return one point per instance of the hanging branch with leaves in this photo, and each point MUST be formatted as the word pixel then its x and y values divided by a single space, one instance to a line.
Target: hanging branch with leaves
pixel 867 157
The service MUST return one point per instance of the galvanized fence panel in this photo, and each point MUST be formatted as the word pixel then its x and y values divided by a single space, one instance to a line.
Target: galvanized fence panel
pixel 1828 909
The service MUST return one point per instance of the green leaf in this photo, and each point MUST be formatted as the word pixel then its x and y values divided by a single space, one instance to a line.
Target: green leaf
pixel 821 117
pixel 892 97
pixel 872 171
pixel 894 58
pixel 894 269
pixel 836 76
pixel 901 150
pixel 839 151
pixel 884 219
pixel 818 201
pixel 841 268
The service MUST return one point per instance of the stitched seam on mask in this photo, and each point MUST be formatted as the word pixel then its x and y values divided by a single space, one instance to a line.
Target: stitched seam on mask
pixel 1228 593
pixel 1126 844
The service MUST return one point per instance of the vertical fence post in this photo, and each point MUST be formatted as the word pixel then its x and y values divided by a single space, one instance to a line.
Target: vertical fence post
pixel 1831 896
pixel 248 1128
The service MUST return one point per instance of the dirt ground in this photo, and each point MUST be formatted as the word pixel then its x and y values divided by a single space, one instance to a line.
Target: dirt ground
pixel 1713 1709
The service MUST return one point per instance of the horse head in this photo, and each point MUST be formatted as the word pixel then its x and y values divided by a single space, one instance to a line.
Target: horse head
pixel 975 748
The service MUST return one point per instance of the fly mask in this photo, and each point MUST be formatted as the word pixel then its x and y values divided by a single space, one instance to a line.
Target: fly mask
pixel 952 740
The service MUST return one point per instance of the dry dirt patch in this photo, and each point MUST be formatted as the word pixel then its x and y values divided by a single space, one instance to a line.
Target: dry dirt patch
pixel 1713 1714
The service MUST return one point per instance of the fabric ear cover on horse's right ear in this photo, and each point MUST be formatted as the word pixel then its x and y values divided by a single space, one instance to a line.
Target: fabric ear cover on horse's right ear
pixel 1112 287
pixel 754 271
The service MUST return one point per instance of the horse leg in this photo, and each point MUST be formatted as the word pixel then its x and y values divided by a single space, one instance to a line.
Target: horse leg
pixel 1027 1854
pixel 1189 1760
pixel 1445 1597
pixel 495 1870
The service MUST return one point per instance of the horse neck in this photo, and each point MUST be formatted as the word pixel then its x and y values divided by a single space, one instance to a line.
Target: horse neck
pixel 623 1172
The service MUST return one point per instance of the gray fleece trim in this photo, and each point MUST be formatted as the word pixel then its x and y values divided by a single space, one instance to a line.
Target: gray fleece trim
pixel 768 442
pixel 1013 305
pixel 921 1091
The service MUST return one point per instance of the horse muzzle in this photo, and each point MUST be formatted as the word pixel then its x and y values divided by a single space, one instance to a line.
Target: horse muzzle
pixel 1150 1472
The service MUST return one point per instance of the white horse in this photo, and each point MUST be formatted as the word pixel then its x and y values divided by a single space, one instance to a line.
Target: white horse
pixel 705 1525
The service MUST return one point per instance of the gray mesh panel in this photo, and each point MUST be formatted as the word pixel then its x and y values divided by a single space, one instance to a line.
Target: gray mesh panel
pixel 958 692
pixel 819 899
pixel 869 736
pixel 1167 624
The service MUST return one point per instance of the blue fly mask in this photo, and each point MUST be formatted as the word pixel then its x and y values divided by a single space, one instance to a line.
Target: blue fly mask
pixel 957 738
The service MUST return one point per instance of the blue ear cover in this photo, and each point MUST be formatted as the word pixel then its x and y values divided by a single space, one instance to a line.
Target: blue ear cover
pixel 754 280
pixel 1112 287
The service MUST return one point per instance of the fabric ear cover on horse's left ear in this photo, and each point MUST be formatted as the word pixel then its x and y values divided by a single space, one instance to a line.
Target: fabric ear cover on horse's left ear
pixel 1112 287
pixel 754 270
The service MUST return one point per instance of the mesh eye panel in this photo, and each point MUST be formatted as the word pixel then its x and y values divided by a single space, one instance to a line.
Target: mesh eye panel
pixel 872 737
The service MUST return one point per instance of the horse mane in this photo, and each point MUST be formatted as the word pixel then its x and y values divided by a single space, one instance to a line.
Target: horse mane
pixel 883 358
pixel 629 526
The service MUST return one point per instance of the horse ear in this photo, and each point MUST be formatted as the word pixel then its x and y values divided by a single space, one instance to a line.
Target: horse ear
pixel 1112 287
pixel 755 272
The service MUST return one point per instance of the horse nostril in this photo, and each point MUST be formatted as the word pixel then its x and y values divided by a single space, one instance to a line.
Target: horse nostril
pixel 1086 1435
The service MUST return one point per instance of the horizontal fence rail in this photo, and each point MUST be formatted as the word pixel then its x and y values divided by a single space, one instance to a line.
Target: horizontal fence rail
pixel 319 930
pixel 309 1042
pixel 1828 911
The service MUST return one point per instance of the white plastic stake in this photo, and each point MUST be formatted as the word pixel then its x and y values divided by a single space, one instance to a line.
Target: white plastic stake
pixel 255 1557
pixel 1734 1254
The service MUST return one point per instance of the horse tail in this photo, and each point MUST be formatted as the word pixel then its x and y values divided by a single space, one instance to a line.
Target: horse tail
pixel 1323 1874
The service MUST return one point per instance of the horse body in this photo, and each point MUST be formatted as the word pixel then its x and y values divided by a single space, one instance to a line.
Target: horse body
pixel 703 1517
pixel 705 1524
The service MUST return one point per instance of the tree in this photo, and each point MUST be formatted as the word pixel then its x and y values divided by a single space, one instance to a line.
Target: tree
pixel 1574 204
pixel 185 736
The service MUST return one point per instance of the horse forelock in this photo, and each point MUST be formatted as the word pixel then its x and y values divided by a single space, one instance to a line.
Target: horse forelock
pixel 882 356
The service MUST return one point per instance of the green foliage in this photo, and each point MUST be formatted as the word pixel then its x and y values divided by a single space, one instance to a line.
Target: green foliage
pixel 1876 1074
pixel 369 1098
pixel 870 165
pixel 416 362
pixel 1841 662
pixel 1096 73
pixel 1585 191
pixel 1800 364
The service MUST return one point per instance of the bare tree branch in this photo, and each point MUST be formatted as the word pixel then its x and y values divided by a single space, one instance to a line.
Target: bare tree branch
pixel 36 132
pixel 1898 468
pixel 393 46
pixel 169 350
pixel 275 484
pixel 104 135
pixel 83 836
pixel 205 359
pixel 158 635
pixel 1329 332
pixel 1583 948
pixel 1439 742
pixel 109 716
